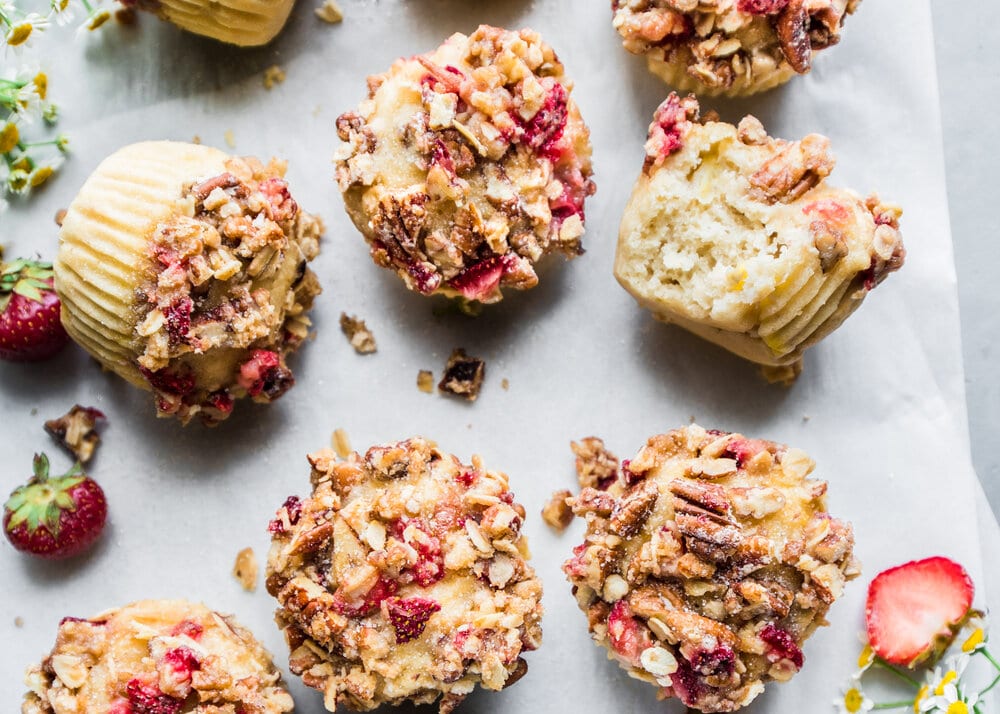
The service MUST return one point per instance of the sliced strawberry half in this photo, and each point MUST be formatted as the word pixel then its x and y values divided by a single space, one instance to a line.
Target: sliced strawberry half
pixel 915 610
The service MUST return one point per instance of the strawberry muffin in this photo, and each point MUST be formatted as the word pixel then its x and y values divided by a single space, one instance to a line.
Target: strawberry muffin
pixel 736 236
pixel 466 166
pixel 162 656
pixel 404 577
pixel 185 271
pixel 707 563
pixel 729 47
pixel 247 23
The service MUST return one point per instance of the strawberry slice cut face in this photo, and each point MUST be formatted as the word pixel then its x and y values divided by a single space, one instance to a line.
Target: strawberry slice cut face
pixel 915 610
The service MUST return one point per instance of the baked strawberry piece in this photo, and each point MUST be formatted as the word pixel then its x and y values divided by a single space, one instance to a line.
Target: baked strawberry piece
pixel 707 563
pixel 55 517
pixel 30 330
pixel 915 610
pixel 156 657
pixel 468 165
pixel 404 577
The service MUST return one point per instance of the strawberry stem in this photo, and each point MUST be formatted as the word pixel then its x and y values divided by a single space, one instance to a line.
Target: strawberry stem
pixel 879 662
pixel 40 467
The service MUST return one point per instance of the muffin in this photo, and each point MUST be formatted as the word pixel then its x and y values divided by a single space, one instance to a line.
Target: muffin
pixel 729 47
pixel 404 577
pixel 468 165
pixel 247 23
pixel 736 236
pixel 185 271
pixel 163 656
pixel 707 564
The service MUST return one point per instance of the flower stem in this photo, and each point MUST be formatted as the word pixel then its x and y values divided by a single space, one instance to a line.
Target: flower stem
pixel 889 668
pixel 988 656
pixel 992 684
pixel 893 705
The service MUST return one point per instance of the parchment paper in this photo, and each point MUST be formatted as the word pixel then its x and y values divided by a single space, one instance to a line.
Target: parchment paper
pixel 880 405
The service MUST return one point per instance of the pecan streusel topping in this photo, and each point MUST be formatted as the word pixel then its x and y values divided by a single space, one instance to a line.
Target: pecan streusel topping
pixel 729 46
pixel 230 276
pixel 162 656
pixel 404 576
pixel 467 165
pixel 708 563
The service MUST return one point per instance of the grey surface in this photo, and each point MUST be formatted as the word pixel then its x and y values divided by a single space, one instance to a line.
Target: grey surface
pixel 970 90
pixel 580 357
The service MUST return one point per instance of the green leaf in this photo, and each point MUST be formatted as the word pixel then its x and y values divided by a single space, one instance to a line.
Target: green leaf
pixel 15 268
pixel 28 290
pixel 16 500
pixel 16 519
pixel 65 501
pixel 52 513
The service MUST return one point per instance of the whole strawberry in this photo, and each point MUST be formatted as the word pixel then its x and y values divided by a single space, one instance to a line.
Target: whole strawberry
pixel 30 330
pixel 55 517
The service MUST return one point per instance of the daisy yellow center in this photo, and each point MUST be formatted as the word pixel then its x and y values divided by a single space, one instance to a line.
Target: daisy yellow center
pixel 853 700
pixel 41 82
pixel 9 136
pixel 19 34
pixel 957 708
pixel 974 640
pixel 949 677
pixel 866 657
pixel 40 176
pixel 921 695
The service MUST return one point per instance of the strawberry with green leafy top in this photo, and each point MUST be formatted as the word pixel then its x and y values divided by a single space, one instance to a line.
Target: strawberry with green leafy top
pixel 55 517
pixel 30 330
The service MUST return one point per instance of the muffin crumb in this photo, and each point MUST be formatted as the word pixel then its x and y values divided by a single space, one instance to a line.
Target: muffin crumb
pixel 463 375
pixel 230 138
pixel 330 12
pixel 357 332
pixel 425 381
pixel 76 431
pixel 341 444
pixel 505 384
pixel 784 375
pixel 273 75
pixel 557 512
pixel 596 467
pixel 18 621
pixel 60 215
pixel 245 569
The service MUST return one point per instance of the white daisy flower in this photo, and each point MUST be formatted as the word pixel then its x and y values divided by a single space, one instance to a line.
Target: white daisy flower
pixel 853 699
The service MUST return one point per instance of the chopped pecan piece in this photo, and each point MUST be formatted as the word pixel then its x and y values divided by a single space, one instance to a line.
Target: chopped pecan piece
pixel 596 467
pixel 463 375
pixel 798 167
pixel 557 512
pixel 358 334
pixel 630 514
pixel 76 431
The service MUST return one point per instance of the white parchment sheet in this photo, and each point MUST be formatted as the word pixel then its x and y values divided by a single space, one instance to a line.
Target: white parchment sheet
pixel 880 405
